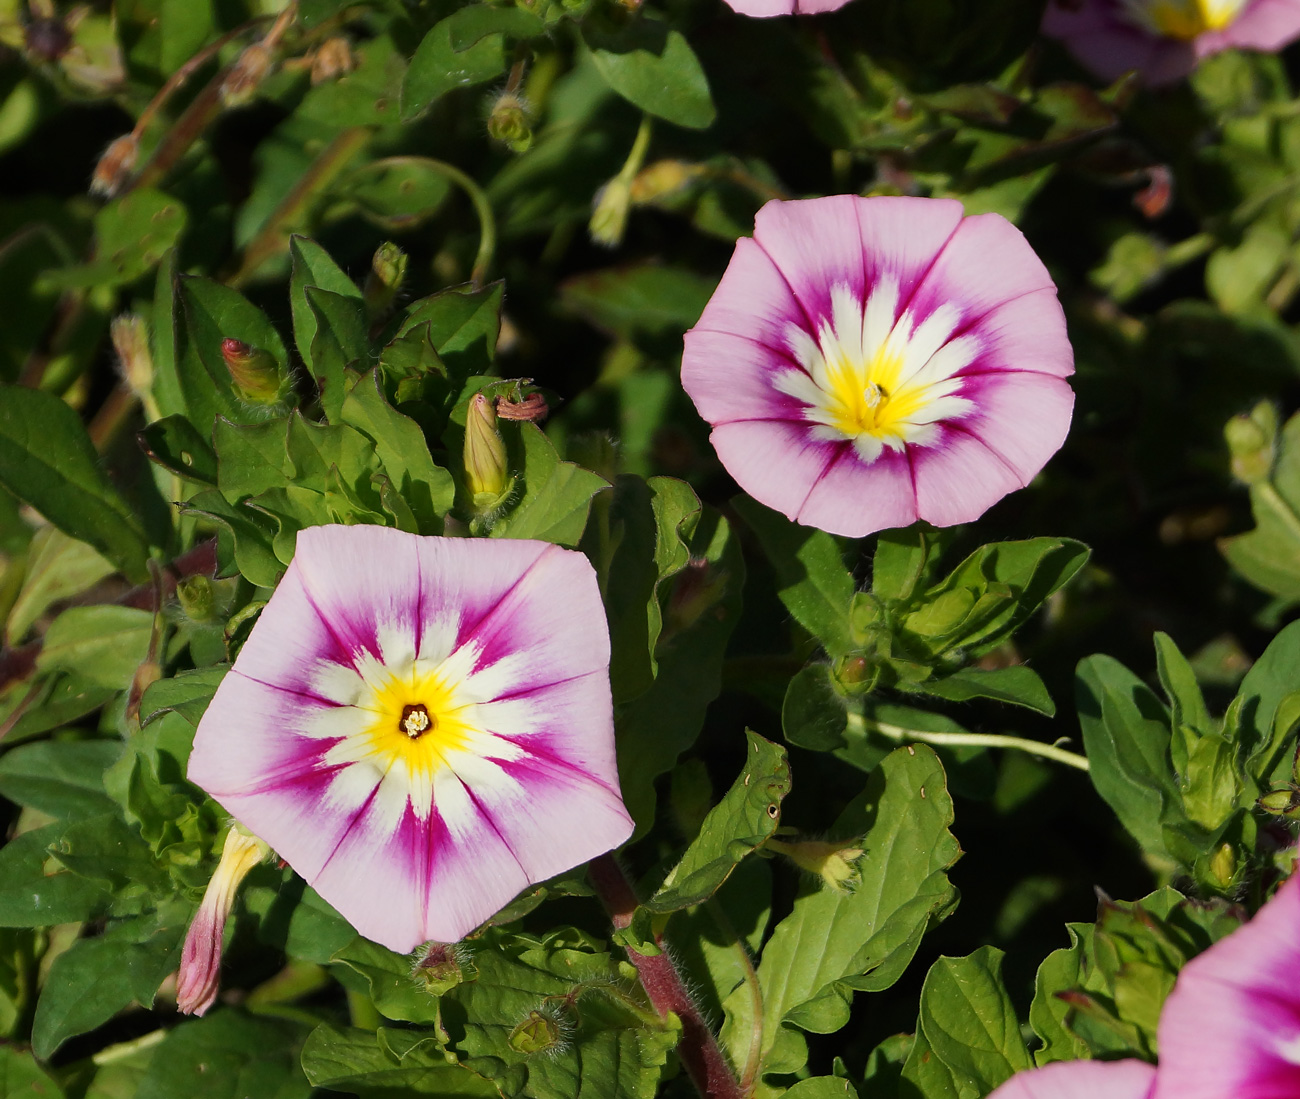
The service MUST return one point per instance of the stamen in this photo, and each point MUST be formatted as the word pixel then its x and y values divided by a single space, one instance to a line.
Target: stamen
pixel 874 395
pixel 415 720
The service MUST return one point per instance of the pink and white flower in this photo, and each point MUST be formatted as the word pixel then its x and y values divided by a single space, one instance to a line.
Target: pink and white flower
pixel 1164 40
pixel 1231 1026
pixel 763 9
pixel 421 727
pixel 1128 1079
pixel 867 362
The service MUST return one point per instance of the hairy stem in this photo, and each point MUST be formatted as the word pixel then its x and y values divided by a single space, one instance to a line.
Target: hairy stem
pixel 698 1050
pixel 981 740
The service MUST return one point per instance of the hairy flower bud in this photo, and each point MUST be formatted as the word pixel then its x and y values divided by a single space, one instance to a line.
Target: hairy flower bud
pixel 197 598
pixel 510 122
pixel 333 58
pixel 440 967
pixel 384 280
pixel 609 218
pixel 834 863
pixel 1251 438
pixel 130 336
pixel 539 1033
pixel 115 166
pixel 255 373
pixel 200 973
pixel 486 475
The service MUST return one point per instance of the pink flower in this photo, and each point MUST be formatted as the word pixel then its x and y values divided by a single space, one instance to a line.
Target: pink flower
pixel 1231 1027
pixel 199 977
pixel 762 9
pixel 1081 1080
pixel 866 362
pixel 1165 39
pixel 421 727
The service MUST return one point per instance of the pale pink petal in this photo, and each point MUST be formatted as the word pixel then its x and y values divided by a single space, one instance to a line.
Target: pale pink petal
pixel 959 478
pixel 816 7
pixel 1266 25
pixel 1021 416
pixel 199 978
pixel 1027 333
pixel 753 299
pixel 761 9
pixel 778 463
pixel 855 498
pixel 1231 1026
pixel 817 245
pixel 901 237
pixel 1128 1079
pixel 729 377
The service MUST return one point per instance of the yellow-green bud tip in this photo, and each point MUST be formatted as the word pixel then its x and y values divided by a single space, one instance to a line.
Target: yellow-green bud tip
pixel 486 475
pixel 834 863
pixel 609 219
pixel 1251 438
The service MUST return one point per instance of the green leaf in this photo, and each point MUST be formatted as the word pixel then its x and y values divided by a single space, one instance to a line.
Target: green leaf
pixel 654 68
pixel 94 979
pixel 899 562
pixel 644 298
pixel 64 778
pixel 243 535
pixel 174 444
pixel 399 195
pixel 970 1023
pixel 475 23
pixel 463 326
pixel 437 66
pixel 132 234
pixel 924 1074
pixel 1126 737
pixel 1048 1014
pixel 312 266
pixel 186 693
pixel 556 495
pixel 1268 683
pixel 21 1077
pixel 46 460
pixel 58 567
pixel 833 943
pixel 368 1064
pixel 103 644
pixel 400 445
pixel 29 897
pixel 742 821
pixel 1019 685
pixel 395 992
pixel 814 713
pixel 1269 555
pixel 340 344
pixel 822 1087
pixel 60 700
pixel 294 918
pixel 1186 703
pixel 167 388
pixel 812 581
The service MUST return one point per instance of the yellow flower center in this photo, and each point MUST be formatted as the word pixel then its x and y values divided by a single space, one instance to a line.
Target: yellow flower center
pixel 417 718
pixel 869 398
pixel 1185 19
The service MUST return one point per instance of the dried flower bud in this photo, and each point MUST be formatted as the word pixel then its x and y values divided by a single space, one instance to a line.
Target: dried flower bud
pixel 130 336
pixel 197 598
pixel 609 218
pixel 834 863
pixel 334 58
pixel 246 74
pixel 255 372
pixel 385 278
pixel 532 408
pixel 115 166
pixel 510 122
pixel 1251 439
pixel 663 179
pixel 486 474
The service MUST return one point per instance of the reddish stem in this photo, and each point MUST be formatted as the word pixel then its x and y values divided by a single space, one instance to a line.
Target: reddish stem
pixel 698 1049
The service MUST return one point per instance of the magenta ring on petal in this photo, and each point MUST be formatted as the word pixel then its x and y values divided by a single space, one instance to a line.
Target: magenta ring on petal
pixel 866 362
pixel 421 727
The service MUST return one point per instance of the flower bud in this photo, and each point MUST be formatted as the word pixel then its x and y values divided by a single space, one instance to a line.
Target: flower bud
pixel 255 372
pixel 609 218
pixel 130 336
pixel 200 973
pixel 532 408
pixel 486 475
pixel 1223 865
pixel 115 166
pixel 539 1033
pixel 384 280
pixel 663 179
pixel 1281 803
pixel 334 58
pixel 1251 440
pixel 510 122
pixel 197 598
pixel 47 39
pixel 834 863
pixel 246 74
pixel 440 967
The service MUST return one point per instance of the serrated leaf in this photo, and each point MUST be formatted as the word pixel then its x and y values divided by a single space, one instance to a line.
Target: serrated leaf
pixel 655 69
pixel 47 461
pixel 743 820
pixel 812 581
pixel 832 943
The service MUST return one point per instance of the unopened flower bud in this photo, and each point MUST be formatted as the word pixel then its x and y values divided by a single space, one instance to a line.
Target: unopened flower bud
pixel 47 39
pixel 486 474
pixel 663 179
pixel 200 973
pixel 539 1033
pixel 197 598
pixel 510 122
pixel 115 166
pixel 246 75
pixel 834 863
pixel 1251 438
pixel 609 219
pixel 384 280
pixel 532 408
pixel 1281 803
pixel 856 674
pixel 255 372
pixel 130 336
pixel 1223 865
pixel 334 58
pixel 440 967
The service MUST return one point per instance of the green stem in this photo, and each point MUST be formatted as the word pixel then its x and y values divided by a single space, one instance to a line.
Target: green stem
pixel 487 225
pixel 979 740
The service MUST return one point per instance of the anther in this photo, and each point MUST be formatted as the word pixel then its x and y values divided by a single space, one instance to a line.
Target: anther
pixel 415 720
pixel 874 395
